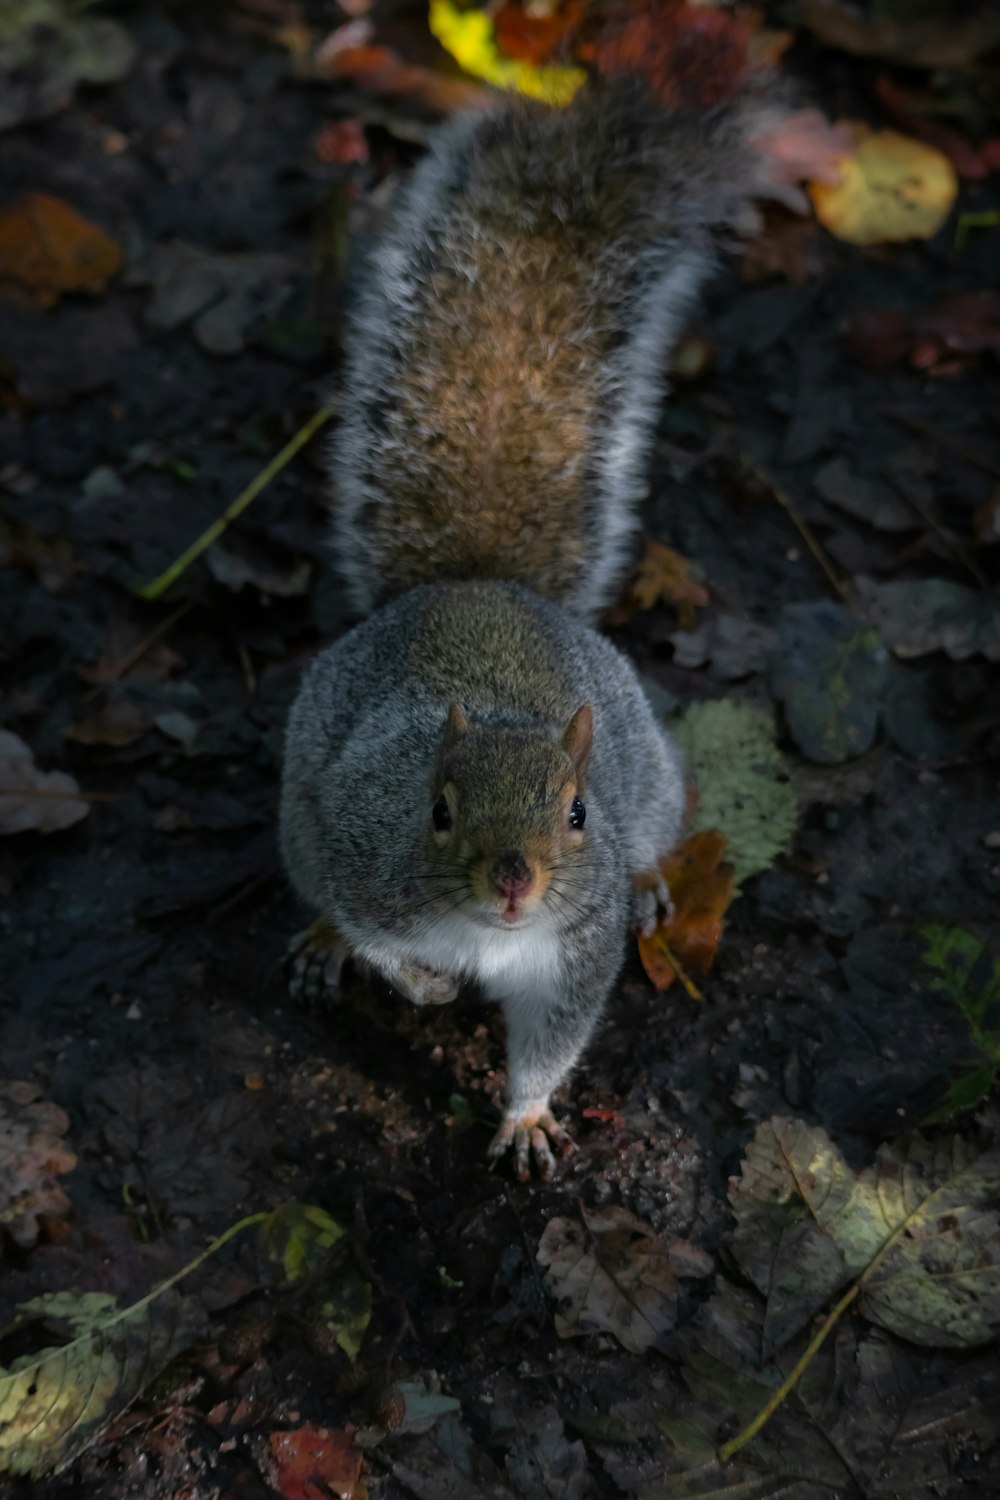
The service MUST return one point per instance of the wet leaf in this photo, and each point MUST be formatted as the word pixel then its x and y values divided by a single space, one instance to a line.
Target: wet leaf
pixel 226 295
pixel 831 678
pixel 536 36
pixel 315 1463
pixel 297 1235
pixel 30 799
pixel 612 1274
pixel 891 188
pixel 742 781
pixel 382 72
pixel 663 575
pixel 425 1403
pixel 731 645
pixel 54 1403
pixel 347 1310
pixel 47 248
pixel 693 56
pixel 919 1230
pixel 701 887
pixel 917 616
pixel 969 975
pixel 469 36
pixel 32 1155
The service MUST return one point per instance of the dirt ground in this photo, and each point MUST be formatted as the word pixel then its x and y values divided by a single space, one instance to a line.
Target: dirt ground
pixel 142 984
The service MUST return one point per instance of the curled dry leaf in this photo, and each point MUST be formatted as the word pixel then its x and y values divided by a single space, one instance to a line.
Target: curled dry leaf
pixel 664 575
pixel 47 248
pixel 32 1155
pixel 891 188
pixel 469 36
pixel 612 1274
pixel 701 888
pixel 30 799
pixel 314 1463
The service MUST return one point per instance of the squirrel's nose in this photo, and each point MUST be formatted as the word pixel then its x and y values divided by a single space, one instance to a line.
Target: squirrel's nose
pixel 510 875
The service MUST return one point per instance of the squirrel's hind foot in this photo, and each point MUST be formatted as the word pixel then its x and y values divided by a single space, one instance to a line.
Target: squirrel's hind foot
pixel 314 963
pixel 651 903
pixel 532 1134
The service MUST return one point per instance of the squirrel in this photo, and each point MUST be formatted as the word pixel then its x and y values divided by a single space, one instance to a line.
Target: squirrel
pixel 475 786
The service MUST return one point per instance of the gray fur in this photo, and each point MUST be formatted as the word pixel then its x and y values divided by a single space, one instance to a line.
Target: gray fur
pixel 363 744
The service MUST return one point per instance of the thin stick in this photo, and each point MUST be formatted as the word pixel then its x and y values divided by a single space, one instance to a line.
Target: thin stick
pixel 694 993
pixel 802 526
pixel 159 586
pixel 130 658
pixel 939 435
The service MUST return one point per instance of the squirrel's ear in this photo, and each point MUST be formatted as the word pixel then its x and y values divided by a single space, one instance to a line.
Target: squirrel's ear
pixel 456 725
pixel 578 737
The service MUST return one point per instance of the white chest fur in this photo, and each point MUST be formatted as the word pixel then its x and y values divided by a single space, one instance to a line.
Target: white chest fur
pixel 521 963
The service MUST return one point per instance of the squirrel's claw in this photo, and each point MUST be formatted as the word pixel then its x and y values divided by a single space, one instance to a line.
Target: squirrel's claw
pixel 532 1137
pixel 651 905
pixel 314 961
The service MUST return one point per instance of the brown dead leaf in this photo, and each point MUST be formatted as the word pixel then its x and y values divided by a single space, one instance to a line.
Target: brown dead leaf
pixel 47 248
pixel 701 887
pixel 34 800
pixel 342 142
pixel 32 1155
pixel 381 71
pixel 535 38
pixel 693 57
pixel 664 575
pixel 314 1463
pixel 612 1274
pixel 118 722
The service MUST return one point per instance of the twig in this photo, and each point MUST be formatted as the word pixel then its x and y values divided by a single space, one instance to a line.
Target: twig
pixel 159 586
pixel 694 993
pixel 802 526
pixel 129 660
pixel 939 435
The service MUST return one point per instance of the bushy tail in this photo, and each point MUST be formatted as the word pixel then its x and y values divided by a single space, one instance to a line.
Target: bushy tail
pixel 508 350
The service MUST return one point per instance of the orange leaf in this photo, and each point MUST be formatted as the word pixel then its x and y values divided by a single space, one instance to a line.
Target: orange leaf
pixel 314 1463
pixel 665 574
pixel 47 248
pixel 693 56
pixel 536 39
pixel 701 887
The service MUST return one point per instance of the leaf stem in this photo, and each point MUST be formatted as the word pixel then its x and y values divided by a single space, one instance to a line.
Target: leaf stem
pixel 152 591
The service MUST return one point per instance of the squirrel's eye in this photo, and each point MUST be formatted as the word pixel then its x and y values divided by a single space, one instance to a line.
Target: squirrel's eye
pixel 577 813
pixel 441 815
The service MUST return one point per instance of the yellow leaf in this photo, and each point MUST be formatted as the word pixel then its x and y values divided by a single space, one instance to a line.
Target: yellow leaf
pixel 469 36
pixel 891 188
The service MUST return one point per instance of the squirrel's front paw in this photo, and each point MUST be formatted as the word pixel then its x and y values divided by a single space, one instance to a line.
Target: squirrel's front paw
pixel 315 961
pixel 651 903
pixel 425 986
pixel 532 1132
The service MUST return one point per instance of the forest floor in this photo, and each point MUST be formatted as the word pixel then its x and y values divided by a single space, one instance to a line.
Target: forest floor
pixel 142 981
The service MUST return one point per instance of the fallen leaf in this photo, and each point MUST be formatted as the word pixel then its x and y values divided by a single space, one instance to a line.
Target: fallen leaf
pixel 342 142
pixel 314 1463
pixel 693 56
pixel 612 1274
pixel 701 887
pixel 917 616
pixel 732 646
pixel 664 575
pixel 969 975
pixel 536 37
pixel 226 295
pixel 47 248
pixel 347 1309
pixel 237 571
pixel 424 1403
pixel 296 1235
pixel 118 722
pixel 868 499
pixel 380 71
pixel 787 246
pixel 742 779
pixel 33 1154
pixel 914 37
pixel 469 37
pixel 54 1402
pixel 30 799
pixel 48 48
pixel 831 678
pixel 542 1463
pixel 919 1230
pixel 891 188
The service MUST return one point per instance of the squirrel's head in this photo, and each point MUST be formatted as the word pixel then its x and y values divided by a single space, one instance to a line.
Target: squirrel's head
pixel 507 814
